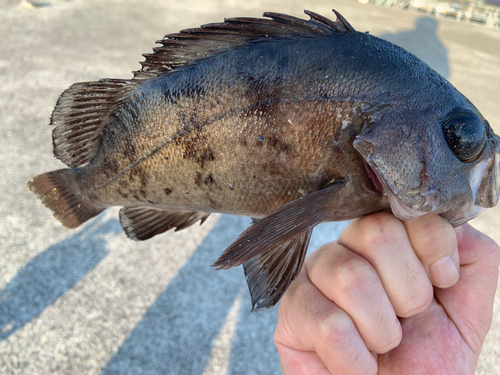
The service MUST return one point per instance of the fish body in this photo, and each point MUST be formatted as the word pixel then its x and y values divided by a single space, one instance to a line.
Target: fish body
pixel 224 135
pixel 288 121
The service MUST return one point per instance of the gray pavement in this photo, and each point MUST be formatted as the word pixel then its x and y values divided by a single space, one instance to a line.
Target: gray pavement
pixel 90 301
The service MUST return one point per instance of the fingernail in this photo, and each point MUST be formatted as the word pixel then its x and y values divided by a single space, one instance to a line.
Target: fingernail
pixel 444 273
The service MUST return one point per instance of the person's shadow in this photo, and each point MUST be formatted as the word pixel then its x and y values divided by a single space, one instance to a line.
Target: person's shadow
pixel 423 42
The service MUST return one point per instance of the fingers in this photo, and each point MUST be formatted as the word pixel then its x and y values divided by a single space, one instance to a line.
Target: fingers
pixel 383 241
pixel 352 283
pixel 469 303
pixel 314 333
pixel 344 305
pixel 435 243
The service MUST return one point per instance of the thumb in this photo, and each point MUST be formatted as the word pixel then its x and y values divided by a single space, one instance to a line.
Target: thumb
pixel 469 303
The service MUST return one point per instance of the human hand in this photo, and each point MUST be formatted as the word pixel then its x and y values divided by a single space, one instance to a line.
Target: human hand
pixel 384 299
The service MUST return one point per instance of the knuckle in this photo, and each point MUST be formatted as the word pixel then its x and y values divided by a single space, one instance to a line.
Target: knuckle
pixel 491 247
pixel 379 230
pixel 388 343
pixel 298 292
pixel 415 303
pixel 302 297
pixel 386 332
pixel 434 232
pixel 353 273
pixel 337 328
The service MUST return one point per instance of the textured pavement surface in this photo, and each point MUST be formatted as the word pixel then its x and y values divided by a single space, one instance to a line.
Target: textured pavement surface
pixel 90 301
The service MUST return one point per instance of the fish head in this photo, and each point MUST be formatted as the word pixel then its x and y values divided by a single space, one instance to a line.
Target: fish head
pixel 427 162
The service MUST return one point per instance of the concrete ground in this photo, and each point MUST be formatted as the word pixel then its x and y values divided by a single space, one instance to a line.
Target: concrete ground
pixel 90 301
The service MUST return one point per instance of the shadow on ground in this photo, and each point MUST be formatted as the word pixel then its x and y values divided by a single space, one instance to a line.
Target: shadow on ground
pixel 52 273
pixel 188 316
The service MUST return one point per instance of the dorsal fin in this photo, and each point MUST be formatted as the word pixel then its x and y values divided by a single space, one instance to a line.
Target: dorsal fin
pixel 192 44
pixel 81 112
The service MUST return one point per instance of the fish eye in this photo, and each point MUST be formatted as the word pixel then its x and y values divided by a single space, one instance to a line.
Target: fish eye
pixel 465 133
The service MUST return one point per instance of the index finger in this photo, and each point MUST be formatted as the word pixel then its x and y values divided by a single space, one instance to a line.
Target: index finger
pixel 382 239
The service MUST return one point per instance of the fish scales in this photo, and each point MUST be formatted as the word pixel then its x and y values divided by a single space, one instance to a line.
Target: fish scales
pixel 195 133
pixel 288 121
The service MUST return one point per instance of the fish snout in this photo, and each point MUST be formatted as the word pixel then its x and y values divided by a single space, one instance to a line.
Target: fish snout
pixel 485 178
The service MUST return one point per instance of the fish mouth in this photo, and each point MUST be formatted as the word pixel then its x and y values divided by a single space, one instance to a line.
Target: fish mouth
pixel 378 185
pixel 373 182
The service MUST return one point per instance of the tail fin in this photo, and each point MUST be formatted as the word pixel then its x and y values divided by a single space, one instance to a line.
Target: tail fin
pixel 58 191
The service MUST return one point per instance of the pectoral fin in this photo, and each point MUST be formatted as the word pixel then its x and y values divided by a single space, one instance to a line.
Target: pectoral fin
pixel 142 223
pixel 269 274
pixel 284 224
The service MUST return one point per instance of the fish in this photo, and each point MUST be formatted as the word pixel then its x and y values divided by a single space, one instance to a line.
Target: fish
pixel 288 121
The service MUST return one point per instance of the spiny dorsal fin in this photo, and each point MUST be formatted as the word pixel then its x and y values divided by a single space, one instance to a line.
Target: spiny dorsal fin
pixel 192 44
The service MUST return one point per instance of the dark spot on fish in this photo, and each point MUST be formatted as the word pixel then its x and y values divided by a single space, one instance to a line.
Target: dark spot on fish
pixel 167 191
pixel 171 97
pixel 208 155
pixel 143 193
pixel 131 150
pixel 279 145
pixel 201 155
pixel 92 196
pixel 198 178
pixel 114 166
pixel 122 193
pixel 209 180
pixel 263 89
pixel 193 90
pixel 165 157
pixel 139 174
pixel 111 167
pixel 136 197
pixel 151 202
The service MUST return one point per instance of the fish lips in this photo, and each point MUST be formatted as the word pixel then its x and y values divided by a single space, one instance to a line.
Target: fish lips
pixel 483 179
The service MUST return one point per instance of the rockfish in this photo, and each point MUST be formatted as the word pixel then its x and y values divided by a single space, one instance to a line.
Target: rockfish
pixel 291 122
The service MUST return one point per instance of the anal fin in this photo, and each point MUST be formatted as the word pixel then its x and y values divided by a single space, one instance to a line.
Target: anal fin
pixel 142 223
pixel 269 274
